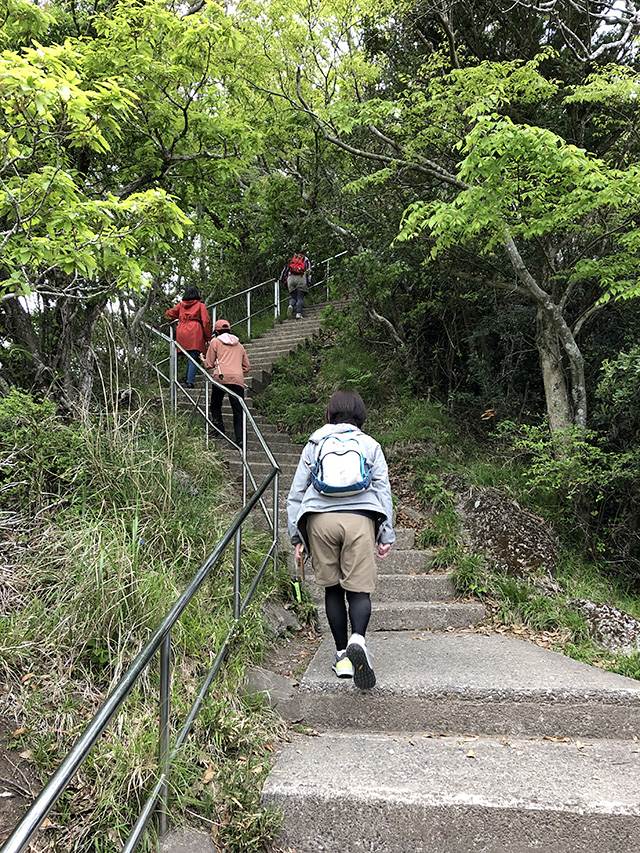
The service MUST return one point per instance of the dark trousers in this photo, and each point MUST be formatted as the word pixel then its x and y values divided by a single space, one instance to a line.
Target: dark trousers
pixel 296 300
pixel 217 396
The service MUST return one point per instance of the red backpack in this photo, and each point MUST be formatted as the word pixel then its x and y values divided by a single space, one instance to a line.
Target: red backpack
pixel 297 265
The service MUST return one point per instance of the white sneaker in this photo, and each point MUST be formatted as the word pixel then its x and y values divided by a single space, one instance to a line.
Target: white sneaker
pixel 357 652
pixel 342 666
pixel 289 312
pixel 298 316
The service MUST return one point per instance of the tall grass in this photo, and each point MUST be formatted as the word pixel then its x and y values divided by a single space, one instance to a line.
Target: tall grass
pixel 120 527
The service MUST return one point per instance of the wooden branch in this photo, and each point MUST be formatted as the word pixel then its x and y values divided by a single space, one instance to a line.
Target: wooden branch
pixel 387 324
pixel 429 168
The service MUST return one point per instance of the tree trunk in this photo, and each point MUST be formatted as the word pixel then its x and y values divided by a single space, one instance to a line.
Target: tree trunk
pixel 553 377
pixel 554 336
pixel 84 353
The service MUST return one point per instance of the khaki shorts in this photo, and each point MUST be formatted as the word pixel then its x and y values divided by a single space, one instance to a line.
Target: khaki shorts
pixel 342 550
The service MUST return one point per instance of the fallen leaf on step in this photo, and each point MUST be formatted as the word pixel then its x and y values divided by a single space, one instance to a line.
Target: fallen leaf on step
pixel 19 732
pixel 471 754
pixel 557 739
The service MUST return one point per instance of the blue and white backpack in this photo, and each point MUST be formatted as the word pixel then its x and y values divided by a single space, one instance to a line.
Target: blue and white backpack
pixel 340 467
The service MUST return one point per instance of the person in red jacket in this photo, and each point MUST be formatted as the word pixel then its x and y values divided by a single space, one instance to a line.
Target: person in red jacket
pixel 228 363
pixel 194 329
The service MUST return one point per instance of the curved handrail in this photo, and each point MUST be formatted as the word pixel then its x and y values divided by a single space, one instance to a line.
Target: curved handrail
pixel 176 388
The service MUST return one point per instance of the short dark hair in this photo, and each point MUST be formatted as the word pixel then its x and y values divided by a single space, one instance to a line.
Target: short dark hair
pixel 346 407
pixel 191 292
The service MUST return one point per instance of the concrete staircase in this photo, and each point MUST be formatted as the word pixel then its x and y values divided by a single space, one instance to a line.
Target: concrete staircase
pixel 469 741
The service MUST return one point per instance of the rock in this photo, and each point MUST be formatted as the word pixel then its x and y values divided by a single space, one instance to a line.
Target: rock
pixel 519 542
pixel 184 483
pixel 616 630
pixel 280 620
pixel 280 692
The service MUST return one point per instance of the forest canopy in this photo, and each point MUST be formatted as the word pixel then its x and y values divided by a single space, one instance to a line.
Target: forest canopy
pixel 478 161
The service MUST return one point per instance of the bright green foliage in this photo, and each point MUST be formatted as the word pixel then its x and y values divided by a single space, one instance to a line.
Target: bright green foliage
pixel 48 114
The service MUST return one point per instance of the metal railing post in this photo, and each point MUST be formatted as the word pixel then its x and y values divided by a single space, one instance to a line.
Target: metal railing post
pixel 206 411
pixel 276 299
pixel 172 369
pixel 244 458
pixel 276 514
pixel 248 314
pixel 163 750
pixel 326 278
pixel 237 574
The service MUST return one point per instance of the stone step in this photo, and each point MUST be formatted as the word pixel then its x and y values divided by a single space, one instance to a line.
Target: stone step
pixel 261 469
pixel 418 615
pixel 283 346
pixel 350 793
pixel 283 455
pixel 405 539
pixel 410 588
pixel 405 564
pixel 471 683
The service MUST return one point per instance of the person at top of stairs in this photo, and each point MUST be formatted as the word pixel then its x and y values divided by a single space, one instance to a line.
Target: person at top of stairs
pixel 297 274
pixel 228 363
pixel 340 512
pixel 194 329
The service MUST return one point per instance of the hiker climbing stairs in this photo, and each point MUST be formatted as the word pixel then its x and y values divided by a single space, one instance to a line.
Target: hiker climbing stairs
pixel 470 740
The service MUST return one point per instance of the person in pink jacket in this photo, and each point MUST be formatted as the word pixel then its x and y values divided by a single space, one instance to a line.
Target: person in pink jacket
pixel 228 363
pixel 194 329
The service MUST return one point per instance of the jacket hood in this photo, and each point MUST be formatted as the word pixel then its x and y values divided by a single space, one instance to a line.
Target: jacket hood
pixel 332 429
pixel 189 303
pixel 229 339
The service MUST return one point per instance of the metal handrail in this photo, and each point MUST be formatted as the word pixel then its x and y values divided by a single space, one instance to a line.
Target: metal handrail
pixel 160 641
pixel 276 303
pixel 176 388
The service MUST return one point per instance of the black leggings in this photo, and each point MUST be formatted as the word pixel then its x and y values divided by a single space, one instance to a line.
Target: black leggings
pixel 359 613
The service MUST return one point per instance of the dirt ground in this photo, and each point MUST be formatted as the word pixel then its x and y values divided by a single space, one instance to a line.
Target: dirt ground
pixel 19 782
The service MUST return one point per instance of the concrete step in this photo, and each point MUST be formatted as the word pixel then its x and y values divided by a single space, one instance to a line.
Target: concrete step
pixel 470 683
pixel 418 615
pixel 410 588
pixel 393 793
pixel 261 469
pixel 405 564
pixel 405 539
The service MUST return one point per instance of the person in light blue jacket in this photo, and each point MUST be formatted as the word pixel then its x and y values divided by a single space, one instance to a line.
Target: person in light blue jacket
pixel 343 529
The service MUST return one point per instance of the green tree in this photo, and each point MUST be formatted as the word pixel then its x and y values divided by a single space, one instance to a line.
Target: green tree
pixel 506 193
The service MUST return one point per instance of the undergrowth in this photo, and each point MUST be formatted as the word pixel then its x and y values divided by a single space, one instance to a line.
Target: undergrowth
pixel 123 512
